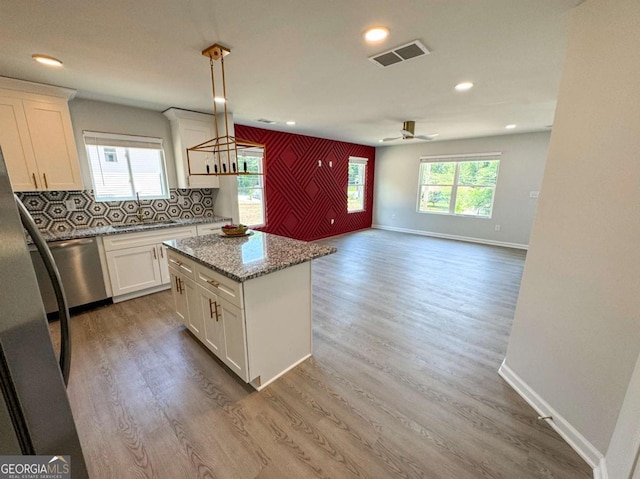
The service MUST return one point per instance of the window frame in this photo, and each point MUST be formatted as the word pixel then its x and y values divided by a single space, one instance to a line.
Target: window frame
pixel 457 160
pixel 362 162
pixel 262 188
pixel 93 139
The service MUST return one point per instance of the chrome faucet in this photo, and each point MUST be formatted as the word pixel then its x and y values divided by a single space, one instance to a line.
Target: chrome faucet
pixel 140 215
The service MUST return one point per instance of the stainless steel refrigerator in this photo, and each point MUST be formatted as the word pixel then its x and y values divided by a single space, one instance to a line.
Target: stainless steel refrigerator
pixel 35 415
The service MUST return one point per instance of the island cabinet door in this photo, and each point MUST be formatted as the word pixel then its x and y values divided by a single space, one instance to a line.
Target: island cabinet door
pixel 195 321
pixel 235 338
pixel 179 297
pixel 212 314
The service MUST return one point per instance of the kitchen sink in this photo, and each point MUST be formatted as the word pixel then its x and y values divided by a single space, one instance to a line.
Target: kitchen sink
pixel 142 224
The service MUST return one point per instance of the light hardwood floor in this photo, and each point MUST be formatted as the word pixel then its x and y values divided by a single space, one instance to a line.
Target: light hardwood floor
pixel 409 333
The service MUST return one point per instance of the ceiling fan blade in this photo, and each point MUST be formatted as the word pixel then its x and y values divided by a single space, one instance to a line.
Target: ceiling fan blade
pixel 391 139
pixel 425 137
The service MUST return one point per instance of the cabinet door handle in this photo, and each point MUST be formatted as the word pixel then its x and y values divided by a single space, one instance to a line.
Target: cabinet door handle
pixel 176 281
pixel 35 181
pixel 215 303
pixel 155 255
pixel 46 184
pixel 211 303
pixel 161 251
pixel 181 286
pixel 213 283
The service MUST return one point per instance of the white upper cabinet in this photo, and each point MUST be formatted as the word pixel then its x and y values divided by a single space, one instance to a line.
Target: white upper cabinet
pixel 37 138
pixel 189 129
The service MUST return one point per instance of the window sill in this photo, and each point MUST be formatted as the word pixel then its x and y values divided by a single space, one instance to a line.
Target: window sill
pixel 453 215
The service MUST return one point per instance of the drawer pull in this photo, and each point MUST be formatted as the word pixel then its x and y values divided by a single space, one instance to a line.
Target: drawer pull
pixel 46 183
pixel 213 283
pixel 35 181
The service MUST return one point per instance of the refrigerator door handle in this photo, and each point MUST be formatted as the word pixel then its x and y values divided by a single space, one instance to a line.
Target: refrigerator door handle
pixel 56 282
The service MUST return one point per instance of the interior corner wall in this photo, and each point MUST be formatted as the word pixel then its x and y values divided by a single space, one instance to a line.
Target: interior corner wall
pixel 576 332
pixel 113 118
pixel 521 170
pixel 302 197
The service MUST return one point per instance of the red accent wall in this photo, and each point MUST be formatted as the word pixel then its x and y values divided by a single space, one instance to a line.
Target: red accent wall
pixel 301 197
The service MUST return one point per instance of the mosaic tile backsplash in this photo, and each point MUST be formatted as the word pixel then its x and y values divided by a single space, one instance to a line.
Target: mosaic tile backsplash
pixel 49 208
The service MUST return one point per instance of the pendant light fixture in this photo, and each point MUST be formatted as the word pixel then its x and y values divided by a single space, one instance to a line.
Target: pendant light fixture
pixel 224 149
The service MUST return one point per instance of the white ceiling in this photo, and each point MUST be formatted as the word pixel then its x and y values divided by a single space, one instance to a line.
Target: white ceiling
pixel 304 60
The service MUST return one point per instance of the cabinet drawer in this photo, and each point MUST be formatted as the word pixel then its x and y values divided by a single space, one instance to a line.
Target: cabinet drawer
pixel 209 228
pixel 182 265
pixel 224 287
pixel 129 240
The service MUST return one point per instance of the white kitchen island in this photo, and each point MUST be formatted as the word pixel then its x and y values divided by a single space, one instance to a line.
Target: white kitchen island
pixel 247 299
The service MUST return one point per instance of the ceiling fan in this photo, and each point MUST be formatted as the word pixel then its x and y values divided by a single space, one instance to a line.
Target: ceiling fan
pixel 408 133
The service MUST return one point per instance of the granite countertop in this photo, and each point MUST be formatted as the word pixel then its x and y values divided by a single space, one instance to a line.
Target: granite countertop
pixel 76 233
pixel 248 257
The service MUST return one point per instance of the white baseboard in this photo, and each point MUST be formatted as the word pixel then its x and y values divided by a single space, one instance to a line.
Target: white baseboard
pixel 137 294
pixel 452 237
pixel 570 434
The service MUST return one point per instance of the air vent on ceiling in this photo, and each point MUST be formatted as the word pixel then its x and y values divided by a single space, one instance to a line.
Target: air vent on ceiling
pixel 400 54
pixel 268 122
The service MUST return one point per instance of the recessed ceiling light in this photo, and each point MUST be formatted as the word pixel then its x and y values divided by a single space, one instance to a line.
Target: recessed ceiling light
pixel 290 122
pixel 464 86
pixel 376 34
pixel 510 127
pixel 46 60
pixel 380 141
pixel 219 99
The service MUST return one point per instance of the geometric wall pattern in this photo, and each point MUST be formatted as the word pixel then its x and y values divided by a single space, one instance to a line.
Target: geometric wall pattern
pixel 301 197
pixel 49 208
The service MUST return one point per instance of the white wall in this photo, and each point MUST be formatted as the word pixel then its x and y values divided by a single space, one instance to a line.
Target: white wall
pixel 521 170
pixel 576 334
pixel 112 118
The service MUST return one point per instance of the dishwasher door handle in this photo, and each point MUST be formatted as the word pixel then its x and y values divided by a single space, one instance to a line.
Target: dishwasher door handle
pixel 68 244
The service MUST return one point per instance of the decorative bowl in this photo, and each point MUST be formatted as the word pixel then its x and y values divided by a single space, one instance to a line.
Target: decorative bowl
pixel 234 230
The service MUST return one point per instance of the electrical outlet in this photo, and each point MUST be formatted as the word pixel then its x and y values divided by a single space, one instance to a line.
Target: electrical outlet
pixel 534 194
pixel 332 220
pixel 497 227
pixel 319 162
pixel 393 216
pixel 331 164
pixel 70 204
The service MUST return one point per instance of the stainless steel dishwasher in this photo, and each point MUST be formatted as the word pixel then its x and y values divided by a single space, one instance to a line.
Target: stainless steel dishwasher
pixel 80 270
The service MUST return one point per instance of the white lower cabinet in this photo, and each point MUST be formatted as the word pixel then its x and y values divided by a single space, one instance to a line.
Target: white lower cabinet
pixel 224 331
pixel 134 269
pixel 179 298
pixel 211 228
pixel 138 262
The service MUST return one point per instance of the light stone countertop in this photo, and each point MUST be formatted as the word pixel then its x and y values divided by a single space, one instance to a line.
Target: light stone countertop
pixel 51 235
pixel 247 257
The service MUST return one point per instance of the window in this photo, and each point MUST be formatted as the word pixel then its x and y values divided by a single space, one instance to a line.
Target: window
pixel 459 184
pixel 123 167
pixel 110 155
pixel 356 183
pixel 251 188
